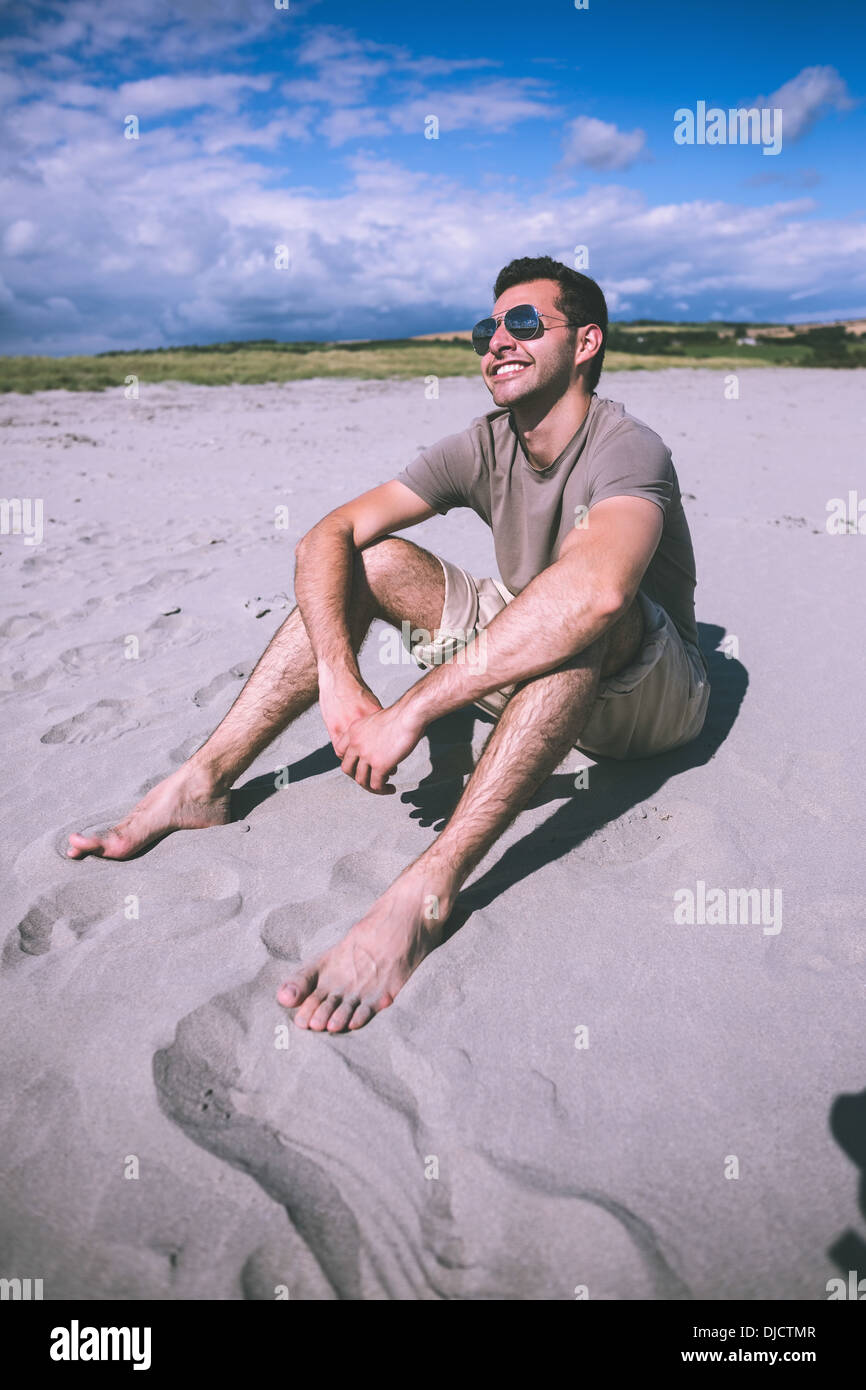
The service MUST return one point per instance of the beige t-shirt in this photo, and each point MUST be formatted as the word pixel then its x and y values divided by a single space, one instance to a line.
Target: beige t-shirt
pixel 530 511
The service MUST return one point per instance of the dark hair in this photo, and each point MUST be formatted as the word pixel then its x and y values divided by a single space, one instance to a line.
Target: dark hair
pixel 579 298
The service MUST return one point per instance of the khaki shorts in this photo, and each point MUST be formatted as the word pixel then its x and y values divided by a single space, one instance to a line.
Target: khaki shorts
pixel 657 703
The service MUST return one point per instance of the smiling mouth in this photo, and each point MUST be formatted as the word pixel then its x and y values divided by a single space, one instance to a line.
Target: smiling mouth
pixel 509 368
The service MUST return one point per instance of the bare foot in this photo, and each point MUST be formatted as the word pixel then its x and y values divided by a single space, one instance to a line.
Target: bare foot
pixel 362 975
pixel 186 800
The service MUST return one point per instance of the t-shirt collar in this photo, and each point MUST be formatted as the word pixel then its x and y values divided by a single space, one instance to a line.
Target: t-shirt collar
pixel 574 445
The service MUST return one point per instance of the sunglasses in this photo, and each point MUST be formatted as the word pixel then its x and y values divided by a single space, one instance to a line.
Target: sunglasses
pixel 523 322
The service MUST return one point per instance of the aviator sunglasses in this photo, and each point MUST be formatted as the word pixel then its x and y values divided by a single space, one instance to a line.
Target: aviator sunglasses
pixel 523 322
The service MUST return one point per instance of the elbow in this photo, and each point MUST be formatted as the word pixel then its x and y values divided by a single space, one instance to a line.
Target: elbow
pixel 611 604
pixel 327 527
pixel 306 541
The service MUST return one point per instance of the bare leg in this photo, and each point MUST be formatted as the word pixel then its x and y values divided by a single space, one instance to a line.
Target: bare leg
pixel 394 580
pixel 542 721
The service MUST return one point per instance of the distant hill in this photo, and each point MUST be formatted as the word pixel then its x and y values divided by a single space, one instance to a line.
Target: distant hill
pixel 855 327
pixel 630 347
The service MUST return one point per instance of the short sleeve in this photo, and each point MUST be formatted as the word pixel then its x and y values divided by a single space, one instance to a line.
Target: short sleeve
pixel 632 462
pixel 443 475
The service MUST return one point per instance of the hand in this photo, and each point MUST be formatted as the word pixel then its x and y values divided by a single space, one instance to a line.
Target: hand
pixel 341 705
pixel 377 745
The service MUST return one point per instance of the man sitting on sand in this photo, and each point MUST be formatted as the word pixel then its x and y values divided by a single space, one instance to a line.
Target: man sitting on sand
pixel 589 636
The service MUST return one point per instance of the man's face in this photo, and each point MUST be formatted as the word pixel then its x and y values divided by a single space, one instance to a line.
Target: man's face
pixel 516 370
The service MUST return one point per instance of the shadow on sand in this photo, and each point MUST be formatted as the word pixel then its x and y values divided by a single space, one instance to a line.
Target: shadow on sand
pixel 616 786
pixel 848 1127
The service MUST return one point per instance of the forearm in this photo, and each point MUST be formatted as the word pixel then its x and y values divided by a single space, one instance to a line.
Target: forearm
pixel 323 580
pixel 552 620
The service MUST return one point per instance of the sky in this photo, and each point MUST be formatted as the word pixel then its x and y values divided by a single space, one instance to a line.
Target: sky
pixel 283 182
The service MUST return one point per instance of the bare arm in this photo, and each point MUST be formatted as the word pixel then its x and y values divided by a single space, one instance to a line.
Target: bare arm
pixel 323 576
pixel 564 609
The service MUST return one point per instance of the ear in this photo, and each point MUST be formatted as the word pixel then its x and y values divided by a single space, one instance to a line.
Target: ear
pixel 592 340
pixel 589 341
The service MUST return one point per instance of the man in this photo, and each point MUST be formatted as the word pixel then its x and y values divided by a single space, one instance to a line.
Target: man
pixel 589 638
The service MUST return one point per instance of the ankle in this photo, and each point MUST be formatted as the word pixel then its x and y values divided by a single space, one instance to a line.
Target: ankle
pixel 438 883
pixel 205 778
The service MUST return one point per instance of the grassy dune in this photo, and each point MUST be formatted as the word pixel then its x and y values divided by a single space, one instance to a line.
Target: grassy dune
pixel 402 359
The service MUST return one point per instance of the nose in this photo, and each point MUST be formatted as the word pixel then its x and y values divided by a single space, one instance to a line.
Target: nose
pixel 501 339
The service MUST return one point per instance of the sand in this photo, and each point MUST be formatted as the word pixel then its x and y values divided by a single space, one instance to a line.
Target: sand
pixel 577 1092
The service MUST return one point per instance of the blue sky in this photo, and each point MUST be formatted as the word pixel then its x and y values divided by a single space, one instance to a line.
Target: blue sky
pixel 304 128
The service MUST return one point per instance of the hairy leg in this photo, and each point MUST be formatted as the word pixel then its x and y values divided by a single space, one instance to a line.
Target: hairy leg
pixel 394 580
pixel 541 722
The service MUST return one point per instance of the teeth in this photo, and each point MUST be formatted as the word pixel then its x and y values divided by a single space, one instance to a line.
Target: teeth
pixel 510 367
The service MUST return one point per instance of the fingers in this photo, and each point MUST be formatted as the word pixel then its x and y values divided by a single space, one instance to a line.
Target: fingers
pixel 379 783
pixel 350 762
pixel 361 772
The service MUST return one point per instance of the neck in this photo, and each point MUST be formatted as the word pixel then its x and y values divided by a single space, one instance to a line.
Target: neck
pixel 544 438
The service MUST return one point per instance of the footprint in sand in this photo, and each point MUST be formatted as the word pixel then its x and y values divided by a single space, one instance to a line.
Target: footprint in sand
pixel 340 1133
pixel 106 719
pixel 178 755
pixel 206 693
pixel 37 564
pixel 166 631
pixel 62 918
pixel 19 683
pixel 92 656
pixel 165 579
pixel 633 836
pixel 27 624
pixel 111 897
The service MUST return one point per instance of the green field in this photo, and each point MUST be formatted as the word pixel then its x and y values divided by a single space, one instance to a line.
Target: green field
pixel 630 347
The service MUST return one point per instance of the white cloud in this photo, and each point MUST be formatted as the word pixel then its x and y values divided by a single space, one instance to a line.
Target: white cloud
pixel 185 92
pixel 167 30
pixel 19 236
pixel 807 97
pixel 352 123
pixel 496 105
pixel 171 238
pixel 168 247
pixel 347 70
pixel 600 144
pixel 218 135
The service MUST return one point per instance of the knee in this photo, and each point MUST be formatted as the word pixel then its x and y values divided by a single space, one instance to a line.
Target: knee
pixel 381 556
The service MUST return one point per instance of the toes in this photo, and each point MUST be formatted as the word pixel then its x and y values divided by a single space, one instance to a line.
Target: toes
pixel 298 986
pixel 308 1008
pixel 339 1019
pixel 362 1015
pixel 83 844
pixel 324 1011
pixel 110 845
pixel 116 846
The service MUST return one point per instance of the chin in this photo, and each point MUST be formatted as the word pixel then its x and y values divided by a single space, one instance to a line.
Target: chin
pixel 504 393
pixel 508 386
